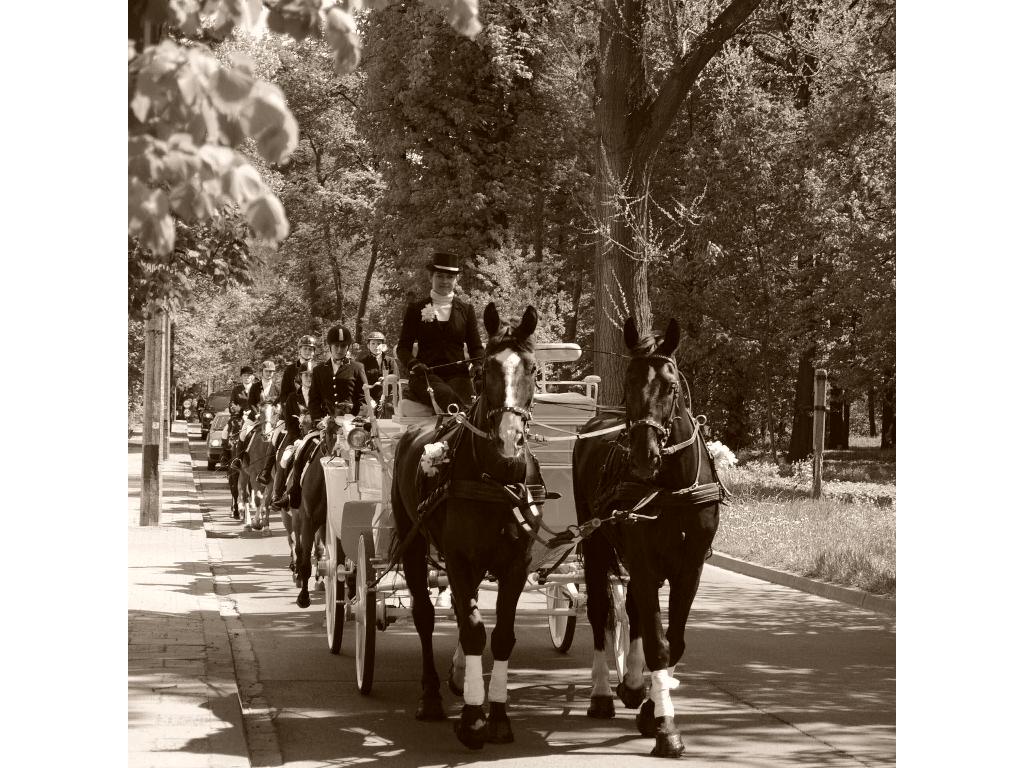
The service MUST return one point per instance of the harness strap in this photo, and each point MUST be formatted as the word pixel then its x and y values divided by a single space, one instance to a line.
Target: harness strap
pixel 572 435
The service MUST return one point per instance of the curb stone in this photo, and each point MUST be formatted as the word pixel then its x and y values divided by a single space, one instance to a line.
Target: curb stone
pixel 847 595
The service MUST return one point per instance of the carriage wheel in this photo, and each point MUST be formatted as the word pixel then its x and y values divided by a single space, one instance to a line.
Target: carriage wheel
pixel 366 615
pixel 334 602
pixel 617 634
pixel 561 628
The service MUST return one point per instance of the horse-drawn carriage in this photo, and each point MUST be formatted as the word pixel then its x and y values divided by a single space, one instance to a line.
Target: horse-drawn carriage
pixel 425 497
pixel 368 589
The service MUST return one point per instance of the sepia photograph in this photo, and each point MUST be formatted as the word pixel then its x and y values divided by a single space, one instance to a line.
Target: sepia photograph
pixel 512 382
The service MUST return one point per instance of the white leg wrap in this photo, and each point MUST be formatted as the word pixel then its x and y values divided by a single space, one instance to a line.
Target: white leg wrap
pixel 497 690
pixel 473 692
pixel 635 664
pixel 599 675
pixel 662 684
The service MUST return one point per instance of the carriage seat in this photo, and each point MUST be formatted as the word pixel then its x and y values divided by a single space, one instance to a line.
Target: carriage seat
pixel 412 413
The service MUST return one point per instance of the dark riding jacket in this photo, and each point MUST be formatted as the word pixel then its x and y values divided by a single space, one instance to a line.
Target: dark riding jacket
pixel 439 343
pixel 288 381
pixel 329 389
pixel 292 411
pixel 249 403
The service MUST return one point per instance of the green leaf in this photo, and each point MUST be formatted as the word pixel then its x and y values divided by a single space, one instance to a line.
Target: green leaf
pixel 230 88
pixel 149 217
pixel 267 119
pixel 266 216
pixel 297 18
pixel 344 41
pixel 462 15
pixel 242 183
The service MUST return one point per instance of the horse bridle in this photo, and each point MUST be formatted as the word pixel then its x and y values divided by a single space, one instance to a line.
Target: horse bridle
pixel 664 427
pixel 526 414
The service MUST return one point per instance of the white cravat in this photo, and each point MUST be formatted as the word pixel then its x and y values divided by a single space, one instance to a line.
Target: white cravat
pixel 442 305
pixel 305 394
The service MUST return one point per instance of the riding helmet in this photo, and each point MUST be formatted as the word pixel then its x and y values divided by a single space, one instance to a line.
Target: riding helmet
pixel 339 335
pixel 246 369
pixel 375 336
pixel 308 341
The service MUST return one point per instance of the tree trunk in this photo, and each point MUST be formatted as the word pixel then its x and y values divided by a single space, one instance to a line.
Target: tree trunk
pixel 632 119
pixel 889 413
pixel 871 411
pixel 538 225
pixel 572 322
pixel 837 435
pixel 801 442
pixel 364 295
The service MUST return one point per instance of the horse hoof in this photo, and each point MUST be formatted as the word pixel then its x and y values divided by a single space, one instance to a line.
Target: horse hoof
pixel 645 721
pixel 601 707
pixel 471 729
pixel 631 698
pixel 302 600
pixel 431 708
pixel 668 745
pixel 499 727
pixel 453 685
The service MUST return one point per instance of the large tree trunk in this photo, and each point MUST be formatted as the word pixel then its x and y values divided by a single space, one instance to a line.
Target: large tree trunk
pixel 837 434
pixel 631 120
pixel 364 295
pixel 801 441
pixel 889 413
pixel 871 411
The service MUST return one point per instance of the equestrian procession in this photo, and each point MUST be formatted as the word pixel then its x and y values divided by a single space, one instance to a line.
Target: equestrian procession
pixel 457 464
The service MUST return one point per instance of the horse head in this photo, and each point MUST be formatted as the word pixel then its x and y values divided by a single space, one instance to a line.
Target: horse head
pixel 335 432
pixel 268 419
pixel 509 372
pixel 652 392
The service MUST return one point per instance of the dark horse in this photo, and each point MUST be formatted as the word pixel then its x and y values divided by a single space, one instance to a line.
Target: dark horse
pixel 656 537
pixel 309 520
pixel 471 526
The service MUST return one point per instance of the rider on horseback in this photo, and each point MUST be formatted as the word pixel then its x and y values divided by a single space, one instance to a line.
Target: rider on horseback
pixel 377 365
pixel 337 387
pixel 289 382
pixel 443 327
pixel 296 417
pixel 263 391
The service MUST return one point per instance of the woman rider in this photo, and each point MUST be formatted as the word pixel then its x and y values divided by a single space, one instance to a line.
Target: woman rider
pixel 443 327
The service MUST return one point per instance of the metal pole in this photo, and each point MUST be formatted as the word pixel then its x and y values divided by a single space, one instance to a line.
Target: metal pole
pixel 165 423
pixel 820 377
pixel 151 478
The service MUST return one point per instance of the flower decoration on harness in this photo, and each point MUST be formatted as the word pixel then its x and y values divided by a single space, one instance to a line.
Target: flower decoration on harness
pixel 434 455
pixel 720 454
pixel 428 314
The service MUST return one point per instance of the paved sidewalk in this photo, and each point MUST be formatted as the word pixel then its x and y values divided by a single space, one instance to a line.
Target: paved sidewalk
pixel 183 705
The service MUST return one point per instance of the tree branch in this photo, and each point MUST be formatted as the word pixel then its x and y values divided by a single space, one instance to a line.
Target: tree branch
pixel 664 107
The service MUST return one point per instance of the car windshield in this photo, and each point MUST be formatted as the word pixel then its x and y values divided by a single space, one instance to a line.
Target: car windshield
pixel 219 421
pixel 218 401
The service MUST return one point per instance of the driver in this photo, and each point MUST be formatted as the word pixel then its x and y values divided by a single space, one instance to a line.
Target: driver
pixel 444 328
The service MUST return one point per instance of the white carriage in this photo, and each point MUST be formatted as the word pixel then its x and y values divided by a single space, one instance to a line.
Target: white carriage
pixel 359 520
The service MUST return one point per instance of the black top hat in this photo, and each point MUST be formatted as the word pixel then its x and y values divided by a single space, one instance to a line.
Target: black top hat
pixel 246 369
pixel 442 261
pixel 339 335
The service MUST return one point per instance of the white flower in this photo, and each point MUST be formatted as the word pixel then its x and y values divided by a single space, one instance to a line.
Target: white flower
pixel 428 314
pixel 434 455
pixel 720 454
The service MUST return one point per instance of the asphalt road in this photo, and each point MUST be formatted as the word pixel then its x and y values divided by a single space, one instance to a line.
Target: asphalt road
pixel 771 676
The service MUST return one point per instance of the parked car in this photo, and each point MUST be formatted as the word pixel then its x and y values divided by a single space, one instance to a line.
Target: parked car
pixel 216 403
pixel 214 441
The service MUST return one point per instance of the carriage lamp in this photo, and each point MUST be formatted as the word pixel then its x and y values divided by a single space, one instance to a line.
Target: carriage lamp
pixel 208 415
pixel 215 442
pixel 358 438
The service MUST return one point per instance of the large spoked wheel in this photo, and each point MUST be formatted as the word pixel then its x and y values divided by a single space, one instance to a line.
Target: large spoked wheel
pixel 366 615
pixel 561 628
pixel 334 601
pixel 617 634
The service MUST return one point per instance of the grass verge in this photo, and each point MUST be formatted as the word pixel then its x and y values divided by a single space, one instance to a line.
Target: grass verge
pixel 848 537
